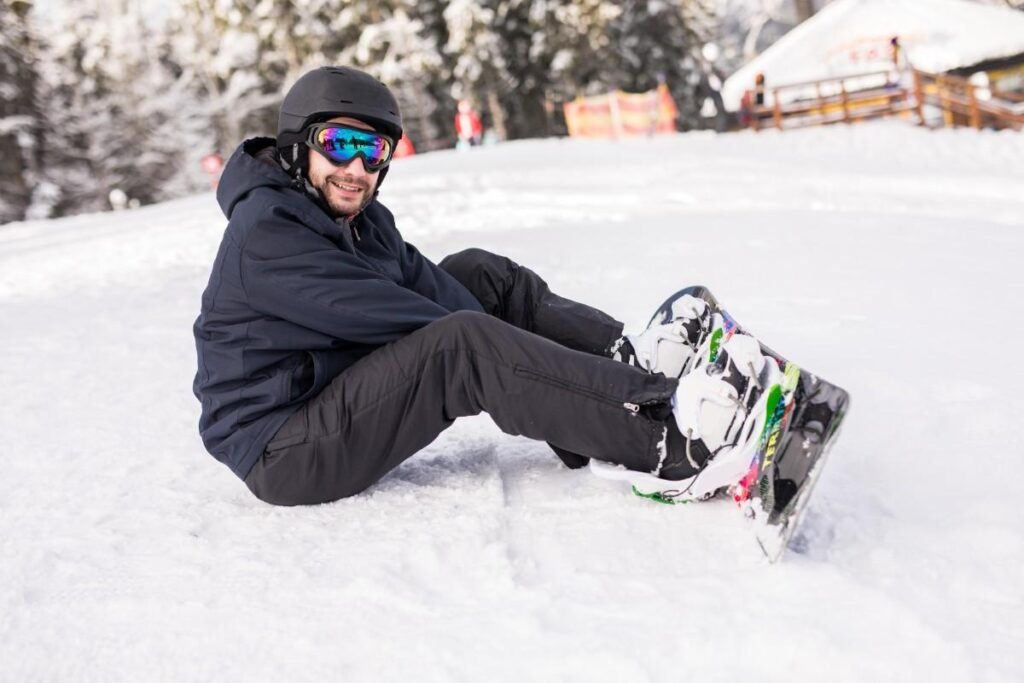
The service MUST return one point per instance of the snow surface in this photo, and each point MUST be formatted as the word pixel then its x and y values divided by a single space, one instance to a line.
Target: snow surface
pixel 883 256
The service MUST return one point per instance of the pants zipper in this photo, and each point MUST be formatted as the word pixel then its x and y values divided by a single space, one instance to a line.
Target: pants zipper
pixel 633 408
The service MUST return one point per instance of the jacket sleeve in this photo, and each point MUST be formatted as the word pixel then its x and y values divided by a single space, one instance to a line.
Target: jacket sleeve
pixel 433 282
pixel 290 274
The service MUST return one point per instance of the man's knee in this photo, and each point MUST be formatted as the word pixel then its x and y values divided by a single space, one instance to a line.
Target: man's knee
pixel 462 330
pixel 290 479
pixel 465 265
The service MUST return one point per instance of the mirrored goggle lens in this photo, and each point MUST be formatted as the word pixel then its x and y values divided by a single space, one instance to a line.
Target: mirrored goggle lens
pixel 342 145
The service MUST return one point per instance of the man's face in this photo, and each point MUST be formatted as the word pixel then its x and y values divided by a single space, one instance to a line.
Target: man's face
pixel 346 187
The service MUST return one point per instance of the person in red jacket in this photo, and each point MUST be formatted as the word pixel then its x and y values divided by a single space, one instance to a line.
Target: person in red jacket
pixel 468 126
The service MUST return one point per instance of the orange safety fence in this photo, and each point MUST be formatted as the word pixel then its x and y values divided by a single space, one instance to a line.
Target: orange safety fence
pixel 620 114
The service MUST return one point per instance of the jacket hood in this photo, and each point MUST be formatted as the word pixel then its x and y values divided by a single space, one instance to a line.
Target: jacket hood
pixel 253 165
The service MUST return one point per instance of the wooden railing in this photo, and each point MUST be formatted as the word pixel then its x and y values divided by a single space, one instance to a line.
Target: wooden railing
pixel 832 100
pixel 909 94
pixel 963 103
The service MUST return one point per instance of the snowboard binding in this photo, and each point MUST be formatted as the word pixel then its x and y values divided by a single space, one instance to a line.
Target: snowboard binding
pixel 763 425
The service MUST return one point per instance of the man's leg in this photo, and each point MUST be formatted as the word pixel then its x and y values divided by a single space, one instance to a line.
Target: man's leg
pixel 520 297
pixel 397 400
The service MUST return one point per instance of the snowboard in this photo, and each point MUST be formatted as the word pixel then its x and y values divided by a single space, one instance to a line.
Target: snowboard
pixel 803 414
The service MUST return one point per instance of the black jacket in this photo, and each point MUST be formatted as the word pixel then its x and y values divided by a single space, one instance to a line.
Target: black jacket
pixel 294 298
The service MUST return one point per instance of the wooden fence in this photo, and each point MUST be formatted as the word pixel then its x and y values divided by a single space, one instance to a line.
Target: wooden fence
pixel 963 103
pixel 930 99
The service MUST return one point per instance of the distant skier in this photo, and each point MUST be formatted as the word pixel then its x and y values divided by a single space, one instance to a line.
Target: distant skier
pixel 330 350
pixel 759 90
pixel 468 127
pixel 902 74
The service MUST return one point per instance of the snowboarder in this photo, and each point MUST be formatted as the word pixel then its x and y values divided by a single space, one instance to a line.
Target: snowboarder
pixel 330 350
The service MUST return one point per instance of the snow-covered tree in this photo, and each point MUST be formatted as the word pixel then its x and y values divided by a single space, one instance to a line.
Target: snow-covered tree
pixel 748 27
pixel 479 71
pixel 134 99
pixel 523 58
pixel 633 45
pixel 245 53
pixel 503 52
pixel 655 41
pixel 19 113
pixel 238 53
pixel 394 42
pixel 437 110
pixel 182 106
pixel 113 109
pixel 529 41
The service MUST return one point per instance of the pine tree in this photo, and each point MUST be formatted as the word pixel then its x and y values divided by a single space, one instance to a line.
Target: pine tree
pixel 71 111
pixel 391 41
pixel 650 41
pixel 184 113
pixel 230 50
pixel 435 110
pixel 527 51
pixel 111 122
pixel 19 113
pixel 521 59
pixel 479 72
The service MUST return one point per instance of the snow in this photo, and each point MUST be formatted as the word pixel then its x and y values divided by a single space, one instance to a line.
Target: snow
pixel 883 256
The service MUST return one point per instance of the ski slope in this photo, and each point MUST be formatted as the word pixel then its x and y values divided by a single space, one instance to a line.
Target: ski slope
pixel 884 257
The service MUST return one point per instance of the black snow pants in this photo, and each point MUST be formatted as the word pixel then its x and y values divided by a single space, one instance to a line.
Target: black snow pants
pixel 535 362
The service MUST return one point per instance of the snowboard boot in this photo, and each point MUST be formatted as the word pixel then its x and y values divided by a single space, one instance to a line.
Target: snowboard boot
pixel 718 415
pixel 667 345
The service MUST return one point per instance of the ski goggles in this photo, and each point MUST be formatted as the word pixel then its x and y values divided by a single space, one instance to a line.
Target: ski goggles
pixel 341 144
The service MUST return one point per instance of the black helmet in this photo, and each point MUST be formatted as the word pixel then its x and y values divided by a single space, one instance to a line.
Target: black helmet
pixel 332 91
pixel 328 92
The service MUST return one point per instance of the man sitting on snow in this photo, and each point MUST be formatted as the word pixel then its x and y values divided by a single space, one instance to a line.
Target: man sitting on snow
pixel 330 350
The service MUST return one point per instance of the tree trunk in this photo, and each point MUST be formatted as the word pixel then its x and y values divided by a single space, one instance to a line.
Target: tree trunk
pixel 497 114
pixel 12 176
pixel 804 9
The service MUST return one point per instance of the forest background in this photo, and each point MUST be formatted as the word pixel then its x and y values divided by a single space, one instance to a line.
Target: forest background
pixel 128 96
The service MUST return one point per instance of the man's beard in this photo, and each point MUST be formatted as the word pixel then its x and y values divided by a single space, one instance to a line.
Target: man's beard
pixel 343 206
